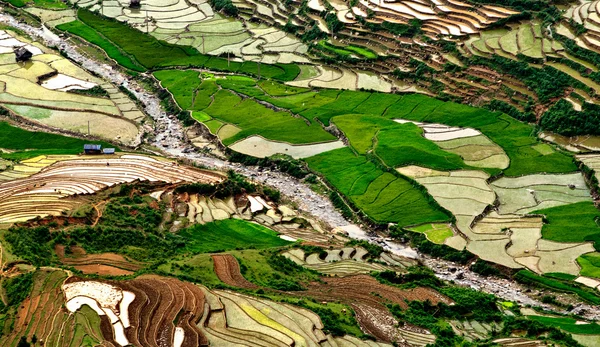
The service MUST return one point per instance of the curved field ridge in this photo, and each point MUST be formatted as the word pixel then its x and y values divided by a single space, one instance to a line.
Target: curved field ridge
pixel 195 24
pixel 465 193
pixel 507 236
pixel 356 291
pixel 46 192
pixel 347 261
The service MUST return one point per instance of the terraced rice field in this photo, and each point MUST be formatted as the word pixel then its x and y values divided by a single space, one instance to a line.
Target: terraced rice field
pixel 473 330
pixel 381 195
pixel 464 193
pixel 41 314
pixel 508 235
pixel 347 261
pixel 48 191
pixel 151 309
pixel 110 264
pixel 525 38
pixel 196 25
pixel 474 148
pixel 586 14
pixel 49 77
pixel 356 291
pixel 525 194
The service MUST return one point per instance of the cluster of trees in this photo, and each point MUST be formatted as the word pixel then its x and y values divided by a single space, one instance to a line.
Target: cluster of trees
pixel 234 185
pixel 96 91
pixel 412 29
pixel 226 6
pixel 30 244
pixel 563 119
pixel 547 82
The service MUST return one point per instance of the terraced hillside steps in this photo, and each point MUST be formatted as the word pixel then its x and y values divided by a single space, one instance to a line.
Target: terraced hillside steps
pixel 47 192
pixel 347 261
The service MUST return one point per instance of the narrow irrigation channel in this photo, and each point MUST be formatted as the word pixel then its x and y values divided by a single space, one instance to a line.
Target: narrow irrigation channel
pixel 168 136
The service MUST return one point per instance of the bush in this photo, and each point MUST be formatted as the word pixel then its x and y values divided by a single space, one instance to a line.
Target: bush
pixel 30 244
pixel 18 288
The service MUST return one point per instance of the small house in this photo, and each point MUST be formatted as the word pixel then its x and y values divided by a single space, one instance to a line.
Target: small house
pixel 22 54
pixel 135 4
pixel 108 150
pixel 92 149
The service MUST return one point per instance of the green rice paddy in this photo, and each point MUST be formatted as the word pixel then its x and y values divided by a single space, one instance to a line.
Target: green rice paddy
pixel 383 196
pixel 24 144
pixel 230 234
pixel 572 223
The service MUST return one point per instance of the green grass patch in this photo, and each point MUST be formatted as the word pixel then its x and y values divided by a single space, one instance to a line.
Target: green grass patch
pixel 348 51
pixel 590 265
pixel 516 138
pixel 568 324
pixel 572 223
pixel 278 89
pixel 255 119
pixel 213 125
pixel 28 144
pixel 181 83
pixel 381 195
pixel 201 116
pixel 396 144
pixel 87 33
pixel 436 233
pixel 230 234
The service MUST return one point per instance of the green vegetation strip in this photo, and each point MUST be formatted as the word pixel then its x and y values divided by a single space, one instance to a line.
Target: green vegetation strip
pixel 230 234
pixel 87 33
pixel 569 325
pixel 572 223
pixel 517 139
pixel 152 53
pixel 528 277
pixel 28 144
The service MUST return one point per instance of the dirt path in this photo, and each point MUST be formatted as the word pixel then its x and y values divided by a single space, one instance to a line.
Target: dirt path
pixel 98 212
pixel 169 138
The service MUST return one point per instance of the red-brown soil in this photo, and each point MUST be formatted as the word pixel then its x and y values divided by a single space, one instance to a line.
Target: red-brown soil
pixel 228 271
pixel 102 264
pixel 103 270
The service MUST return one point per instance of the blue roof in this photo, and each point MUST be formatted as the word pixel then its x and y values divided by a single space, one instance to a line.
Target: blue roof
pixel 108 150
pixel 92 146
